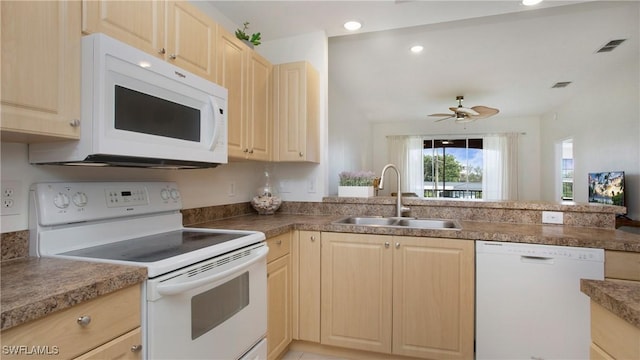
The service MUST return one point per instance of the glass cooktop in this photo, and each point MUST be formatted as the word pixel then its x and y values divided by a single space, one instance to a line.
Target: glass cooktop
pixel 158 247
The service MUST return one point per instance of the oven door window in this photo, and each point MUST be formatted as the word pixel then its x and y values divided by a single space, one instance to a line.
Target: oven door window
pixel 215 306
pixel 142 113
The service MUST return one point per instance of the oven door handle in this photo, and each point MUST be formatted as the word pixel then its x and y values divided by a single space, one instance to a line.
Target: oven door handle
pixel 173 289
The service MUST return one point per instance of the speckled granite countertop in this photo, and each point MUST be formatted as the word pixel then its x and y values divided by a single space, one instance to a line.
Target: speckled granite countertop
pixel 621 298
pixel 609 239
pixel 35 287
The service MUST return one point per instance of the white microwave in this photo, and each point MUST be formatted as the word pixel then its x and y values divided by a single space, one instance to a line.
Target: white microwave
pixel 140 111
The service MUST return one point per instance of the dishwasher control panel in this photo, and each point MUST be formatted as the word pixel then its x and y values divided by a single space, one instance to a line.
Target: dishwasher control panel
pixel 540 251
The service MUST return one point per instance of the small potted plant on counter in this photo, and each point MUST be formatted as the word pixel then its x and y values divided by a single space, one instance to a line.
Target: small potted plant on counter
pixel 357 184
pixel 251 41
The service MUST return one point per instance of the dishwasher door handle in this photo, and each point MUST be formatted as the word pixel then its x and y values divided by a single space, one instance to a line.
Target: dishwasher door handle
pixel 537 260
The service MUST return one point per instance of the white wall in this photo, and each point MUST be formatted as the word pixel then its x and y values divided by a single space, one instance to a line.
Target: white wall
pixel 200 187
pixel 603 118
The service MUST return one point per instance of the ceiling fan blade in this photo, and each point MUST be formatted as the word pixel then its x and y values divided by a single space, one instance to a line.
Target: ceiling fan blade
pixel 461 109
pixel 484 111
pixel 445 118
pixel 440 115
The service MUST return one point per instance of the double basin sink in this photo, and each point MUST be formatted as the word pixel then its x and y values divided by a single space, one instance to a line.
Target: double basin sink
pixel 402 222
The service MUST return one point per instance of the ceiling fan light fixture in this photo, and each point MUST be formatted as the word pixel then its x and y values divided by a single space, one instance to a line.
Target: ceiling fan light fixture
pixel 352 25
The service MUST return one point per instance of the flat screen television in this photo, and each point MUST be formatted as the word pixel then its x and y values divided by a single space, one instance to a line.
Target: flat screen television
pixel 607 188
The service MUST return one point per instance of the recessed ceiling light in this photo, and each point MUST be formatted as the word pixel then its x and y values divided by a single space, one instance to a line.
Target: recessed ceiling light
pixel 417 48
pixel 531 2
pixel 352 25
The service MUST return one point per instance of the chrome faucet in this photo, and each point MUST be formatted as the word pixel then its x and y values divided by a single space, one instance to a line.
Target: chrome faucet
pixel 399 207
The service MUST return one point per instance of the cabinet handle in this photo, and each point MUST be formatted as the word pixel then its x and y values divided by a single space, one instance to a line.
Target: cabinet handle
pixel 386 244
pixel 136 348
pixel 245 151
pixel 172 56
pixel 162 51
pixel 313 238
pixel 301 154
pixel 397 245
pixel 74 123
pixel 84 320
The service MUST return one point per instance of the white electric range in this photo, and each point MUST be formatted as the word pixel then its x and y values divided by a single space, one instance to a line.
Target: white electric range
pixel 205 296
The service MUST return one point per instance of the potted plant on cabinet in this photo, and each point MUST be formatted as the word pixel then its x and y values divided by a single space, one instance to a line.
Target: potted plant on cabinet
pixel 357 184
pixel 251 41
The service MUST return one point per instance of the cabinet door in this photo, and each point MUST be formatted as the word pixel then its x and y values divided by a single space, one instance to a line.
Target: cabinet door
pixel 231 75
pixel 278 306
pixel 356 291
pixel 40 57
pixel 298 113
pixel 125 347
pixel 138 23
pixel 259 87
pixel 307 268
pixel 191 39
pixel 433 286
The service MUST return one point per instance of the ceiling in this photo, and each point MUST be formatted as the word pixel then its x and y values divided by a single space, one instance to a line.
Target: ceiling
pixel 496 53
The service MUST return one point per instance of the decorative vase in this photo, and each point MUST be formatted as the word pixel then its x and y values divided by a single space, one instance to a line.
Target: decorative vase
pixel 267 201
pixel 356 191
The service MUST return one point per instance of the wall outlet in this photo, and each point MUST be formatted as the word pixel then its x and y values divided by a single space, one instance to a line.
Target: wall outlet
pixel 231 191
pixel 552 217
pixel 11 198
pixel 311 186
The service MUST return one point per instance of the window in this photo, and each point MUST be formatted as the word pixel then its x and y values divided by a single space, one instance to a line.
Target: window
pixel 566 169
pixel 453 168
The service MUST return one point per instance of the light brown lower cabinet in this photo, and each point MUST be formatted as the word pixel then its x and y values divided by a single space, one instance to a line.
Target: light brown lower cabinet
pixel 611 336
pixel 110 328
pixel 278 295
pixel 306 286
pixel 410 296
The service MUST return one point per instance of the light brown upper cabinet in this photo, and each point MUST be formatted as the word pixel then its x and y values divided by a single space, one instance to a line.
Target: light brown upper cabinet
pixel 172 30
pixel 40 48
pixel 297 112
pixel 248 77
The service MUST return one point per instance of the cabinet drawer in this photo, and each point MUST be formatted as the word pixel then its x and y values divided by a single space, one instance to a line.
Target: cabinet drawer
pixel 622 265
pixel 125 347
pixel 278 246
pixel 60 336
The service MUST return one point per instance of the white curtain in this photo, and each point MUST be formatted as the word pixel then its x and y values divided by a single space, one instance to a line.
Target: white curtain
pixel 500 172
pixel 405 152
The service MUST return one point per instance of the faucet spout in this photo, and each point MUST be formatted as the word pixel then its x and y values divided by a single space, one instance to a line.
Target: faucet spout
pixel 399 207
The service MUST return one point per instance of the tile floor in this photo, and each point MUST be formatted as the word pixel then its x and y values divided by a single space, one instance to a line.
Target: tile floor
pixel 299 355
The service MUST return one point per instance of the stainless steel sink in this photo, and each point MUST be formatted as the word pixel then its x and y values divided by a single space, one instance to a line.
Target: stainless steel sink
pixel 428 223
pixel 413 223
pixel 369 221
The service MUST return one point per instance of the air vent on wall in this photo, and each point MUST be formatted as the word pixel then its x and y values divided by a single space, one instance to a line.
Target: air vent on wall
pixel 561 84
pixel 608 47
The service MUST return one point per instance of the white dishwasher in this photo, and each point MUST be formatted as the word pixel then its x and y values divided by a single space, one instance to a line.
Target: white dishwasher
pixel 528 300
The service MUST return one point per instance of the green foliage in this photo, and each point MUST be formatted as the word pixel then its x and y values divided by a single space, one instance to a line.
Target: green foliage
pixel 359 178
pixel 242 35
pixel 452 168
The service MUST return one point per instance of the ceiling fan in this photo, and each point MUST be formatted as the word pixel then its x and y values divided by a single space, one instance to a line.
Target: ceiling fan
pixel 463 114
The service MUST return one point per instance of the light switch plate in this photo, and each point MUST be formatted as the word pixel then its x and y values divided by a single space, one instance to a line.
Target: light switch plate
pixel 552 217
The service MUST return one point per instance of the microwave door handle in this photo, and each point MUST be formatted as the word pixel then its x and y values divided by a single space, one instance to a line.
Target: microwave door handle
pixel 215 112
pixel 173 289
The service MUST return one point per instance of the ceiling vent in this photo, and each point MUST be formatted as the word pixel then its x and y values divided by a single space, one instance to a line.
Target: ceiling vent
pixel 561 84
pixel 608 47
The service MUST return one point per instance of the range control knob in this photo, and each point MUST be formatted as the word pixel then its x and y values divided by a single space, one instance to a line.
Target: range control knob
pixel 164 194
pixel 175 194
pixel 80 199
pixel 61 201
